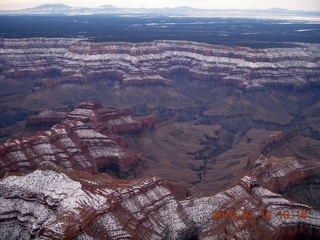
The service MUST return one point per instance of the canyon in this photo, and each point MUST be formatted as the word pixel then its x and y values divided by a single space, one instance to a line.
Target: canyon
pixel 87 140
pixel 158 140
pixel 54 203
pixel 62 61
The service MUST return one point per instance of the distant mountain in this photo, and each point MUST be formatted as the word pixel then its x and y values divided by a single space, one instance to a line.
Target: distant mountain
pixel 184 8
pixel 49 9
pixel 183 11
pixel 51 6
pixel 277 10
pixel 106 6
pixel 286 11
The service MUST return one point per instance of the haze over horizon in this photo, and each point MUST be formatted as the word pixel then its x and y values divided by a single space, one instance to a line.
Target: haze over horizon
pixel 306 5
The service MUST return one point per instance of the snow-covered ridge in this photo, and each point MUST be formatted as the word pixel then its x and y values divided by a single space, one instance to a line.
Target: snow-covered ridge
pixel 75 144
pixel 52 204
pixel 79 61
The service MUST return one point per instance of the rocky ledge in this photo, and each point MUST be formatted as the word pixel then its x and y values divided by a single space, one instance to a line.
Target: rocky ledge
pixel 59 61
pixel 46 118
pixel 52 203
pixel 53 186
pixel 88 139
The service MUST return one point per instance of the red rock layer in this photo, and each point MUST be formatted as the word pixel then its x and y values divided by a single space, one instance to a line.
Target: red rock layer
pixel 85 141
pixel 69 60
pixel 46 118
pixel 57 204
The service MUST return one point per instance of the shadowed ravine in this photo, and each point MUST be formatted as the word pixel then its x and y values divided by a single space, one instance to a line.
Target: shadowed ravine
pixel 158 140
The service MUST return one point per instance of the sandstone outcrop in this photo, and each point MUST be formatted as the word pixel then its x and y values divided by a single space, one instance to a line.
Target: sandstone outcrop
pixel 209 101
pixel 281 175
pixel 46 118
pixel 58 61
pixel 47 189
pixel 87 140
pixel 58 204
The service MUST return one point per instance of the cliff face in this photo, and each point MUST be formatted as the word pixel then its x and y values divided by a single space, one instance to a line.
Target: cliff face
pixel 81 142
pixel 46 118
pixel 52 203
pixel 215 120
pixel 72 61
pixel 48 190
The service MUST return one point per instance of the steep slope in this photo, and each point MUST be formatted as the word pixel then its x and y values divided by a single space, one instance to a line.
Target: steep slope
pixel 89 139
pixel 33 63
pixel 57 204
pixel 237 125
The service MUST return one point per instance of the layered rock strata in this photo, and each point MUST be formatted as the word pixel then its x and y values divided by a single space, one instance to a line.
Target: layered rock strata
pixel 44 119
pixel 43 197
pixel 52 203
pixel 73 60
pixel 81 142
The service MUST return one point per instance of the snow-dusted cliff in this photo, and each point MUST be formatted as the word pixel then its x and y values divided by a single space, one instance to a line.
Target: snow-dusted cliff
pixel 53 184
pixel 87 140
pixel 58 204
pixel 74 60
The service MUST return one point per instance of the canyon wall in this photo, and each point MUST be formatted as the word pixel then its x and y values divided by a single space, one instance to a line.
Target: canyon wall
pixel 57 61
pixel 57 184
pixel 52 203
pixel 53 186
pixel 81 142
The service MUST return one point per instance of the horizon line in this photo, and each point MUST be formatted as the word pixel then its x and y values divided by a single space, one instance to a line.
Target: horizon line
pixel 186 6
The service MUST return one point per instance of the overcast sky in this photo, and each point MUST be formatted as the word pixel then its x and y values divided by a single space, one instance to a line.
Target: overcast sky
pixel 312 5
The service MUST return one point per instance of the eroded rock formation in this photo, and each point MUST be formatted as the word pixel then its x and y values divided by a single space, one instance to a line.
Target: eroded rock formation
pixel 43 196
pixel 218 121
pixel 82 142
pixel 58 204
pixel 44 119
pixel 74 61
